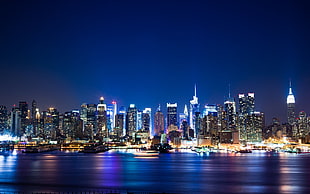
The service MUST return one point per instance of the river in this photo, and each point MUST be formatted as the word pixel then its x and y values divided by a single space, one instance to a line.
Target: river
pixel 119 171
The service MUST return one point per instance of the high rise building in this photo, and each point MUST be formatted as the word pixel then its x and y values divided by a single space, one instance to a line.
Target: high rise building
pixel 131 120
pixel 146 120
pixel 110 116
pixel 246 103
pixel 119 124
pixel 290 101
pixel 210 109
pixel 139 120
pixel 254 127
pixel 16 122
pixel 183 116
pixel 102 120
pixel 159 122
pixel 34 121
pixel 303 127
pixel 114 103
pixel 230 110
pixel 250 123
pixel 3 118
pixel 23 108
pixel 194 108
pixel 90 127
pixel 172 118
pixel 122 111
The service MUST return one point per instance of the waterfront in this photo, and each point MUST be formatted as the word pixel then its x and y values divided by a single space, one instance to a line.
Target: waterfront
pixel 179 172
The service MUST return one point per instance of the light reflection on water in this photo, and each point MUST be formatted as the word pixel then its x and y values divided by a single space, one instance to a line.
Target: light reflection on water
pixel 180 172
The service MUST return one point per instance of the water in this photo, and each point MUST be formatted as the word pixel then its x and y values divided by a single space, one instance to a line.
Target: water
pixel 181 172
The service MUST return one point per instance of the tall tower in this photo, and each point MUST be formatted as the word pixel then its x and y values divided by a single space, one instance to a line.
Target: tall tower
pixel 3 118
pixel 159 124
pixel 290 101
pixel 194 108
pixel 172 114
pixel 131 120
pixel 23 108
pixel 114 113
pixel 102 128
pixel 146 120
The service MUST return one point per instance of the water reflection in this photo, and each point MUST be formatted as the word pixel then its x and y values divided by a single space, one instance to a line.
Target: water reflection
pixel 180 172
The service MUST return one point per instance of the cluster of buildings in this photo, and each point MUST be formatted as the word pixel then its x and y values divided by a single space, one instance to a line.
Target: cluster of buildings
pixel 234 122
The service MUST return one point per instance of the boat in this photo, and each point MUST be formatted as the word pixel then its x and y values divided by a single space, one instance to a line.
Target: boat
pixel 146 153
pixel 95 149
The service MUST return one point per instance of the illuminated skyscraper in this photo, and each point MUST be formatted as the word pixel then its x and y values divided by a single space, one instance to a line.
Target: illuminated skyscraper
pixel 110 116
pixel 245 119
pixel 183 117
pixel 102 120
pixel 3 118
pixel 119 124
pixel 139 120
pixel 114 113
pixel 23 108
pixel 172 118
pixel 90 127
pixel 159 124
pixel 230 109
pixel 194 108
pixel 146 120
pixel 210 109
pixel 131 120
pixel 16 122
pixel 122 111
pixel 34 121
pixel 290 101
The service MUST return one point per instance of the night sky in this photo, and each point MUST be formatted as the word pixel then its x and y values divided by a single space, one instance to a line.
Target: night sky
pixel 65 53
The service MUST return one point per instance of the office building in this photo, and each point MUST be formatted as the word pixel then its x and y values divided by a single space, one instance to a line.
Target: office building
pixel 290 101
pixel 172 114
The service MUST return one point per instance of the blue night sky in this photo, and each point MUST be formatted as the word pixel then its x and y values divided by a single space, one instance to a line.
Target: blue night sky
pixel 65 53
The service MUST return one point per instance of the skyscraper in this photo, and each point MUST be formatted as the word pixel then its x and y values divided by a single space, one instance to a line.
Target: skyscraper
pixel 194 108
pixel 23 108
pixel 230 109
pixel 246 103
pixel 290 101
pixel 146 120
pixel 131 120
pixel 172 118
pixel 159 124
pixel 102 120
pixel 34 121
pixel 114 103
pixel 3 118
pixel 249 121
pixel 16 122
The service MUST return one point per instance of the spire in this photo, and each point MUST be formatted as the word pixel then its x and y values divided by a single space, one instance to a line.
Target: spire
pixel 195 90
pixel 229 91
pixel 158 108
pixel 185 110
pixel 290 90
pixel 290 98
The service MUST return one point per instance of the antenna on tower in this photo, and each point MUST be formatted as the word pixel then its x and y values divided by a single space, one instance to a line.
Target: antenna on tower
pixel 229 90
pixel 195 90
pixel 290 89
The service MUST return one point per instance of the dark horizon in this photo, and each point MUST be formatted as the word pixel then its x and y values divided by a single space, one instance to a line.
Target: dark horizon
pixel 63 54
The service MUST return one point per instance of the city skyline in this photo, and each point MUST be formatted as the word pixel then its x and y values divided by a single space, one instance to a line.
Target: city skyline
pixel 64 54
pixel 199 106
